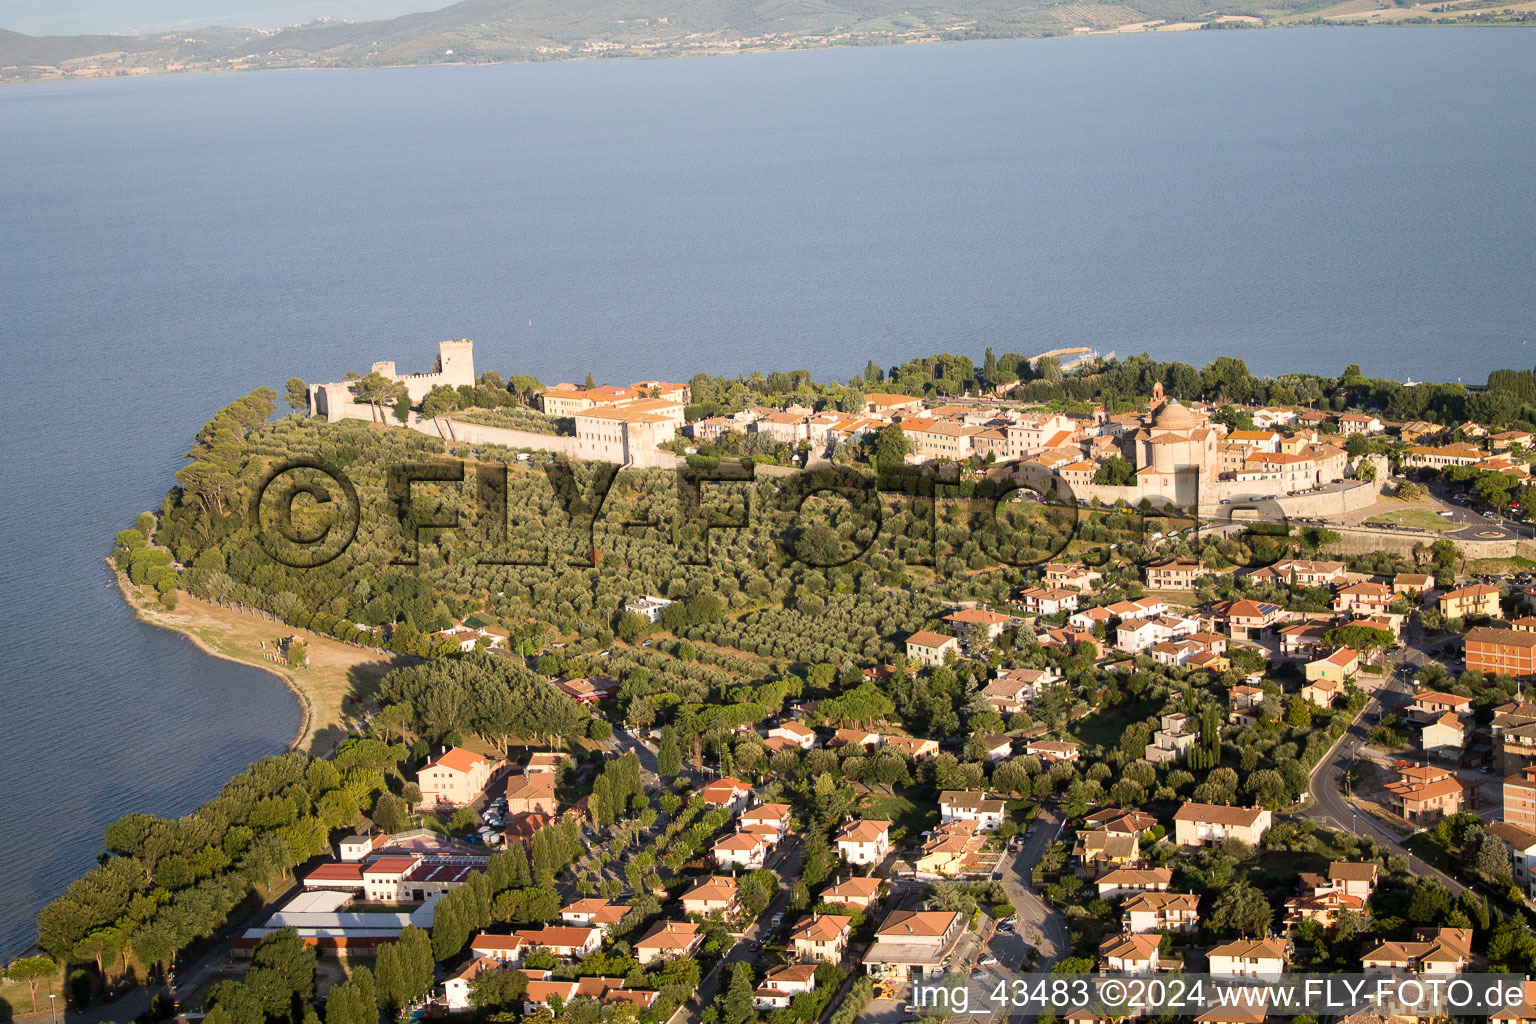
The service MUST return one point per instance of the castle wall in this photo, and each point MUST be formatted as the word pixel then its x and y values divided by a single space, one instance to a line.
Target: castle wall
pixel 456 360
pixel 459 432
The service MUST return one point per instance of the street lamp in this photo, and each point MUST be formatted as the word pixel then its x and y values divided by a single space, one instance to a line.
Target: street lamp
pixel 53 1007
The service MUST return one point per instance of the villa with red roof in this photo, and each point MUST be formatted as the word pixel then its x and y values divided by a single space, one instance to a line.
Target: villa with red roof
pixel 454 778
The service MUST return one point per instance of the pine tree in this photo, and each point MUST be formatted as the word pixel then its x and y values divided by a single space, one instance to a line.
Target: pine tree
pixel 736 1004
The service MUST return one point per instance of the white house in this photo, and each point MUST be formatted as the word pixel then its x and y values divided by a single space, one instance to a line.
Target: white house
pixel 1246 958
pixel 648 607
pixel 742 851
pixel 972 805
pixel 864 842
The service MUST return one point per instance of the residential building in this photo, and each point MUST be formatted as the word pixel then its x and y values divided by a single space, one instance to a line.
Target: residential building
pixel 1128 881
pixel 453 778
pixel 1354 878
pixel 767 819
pixel 1412 585
pixel 870 741
pixel 1244 702
pixel 1198 824
pixel 729 793
pixel 1048 601
pixel 1131 954
pixel 1302 573
pixel 588 690
pixel 1172 740
pixel 1509 652
pixel 545 762
pixel 1364 598
pixel 929 649
pixel 1431 704
pixel 742 851
pixel 1099 850
pixel 1067 576
pixel 629 434
pixel 591 912
pixel 1443 738
pixel 973 624
pixel 531 794
pixel 1303 639
pixel 972 805
pixel 712 893
pixel 1464 602
pixel 1321 691
pixel 913 943
pixel 1431 951
pixel 915 747
pixel 1521 843
pixel 951 850
pixel 794 734
pixel 1051 751
pixel 1322 908
pixel 855 891
pixel 781 984
pixel 1161 912
pixel 998 747
pixel 542 991
pixel 1441 456
pixel 1338 667
pixel 668 939
pixel 821 937
pixel 456 987
pixel 1520 798
pixel 885 404
pixel 864 842
pixel 1248 619
pixel 563 940
pixel 1247 958
pixel 648 607
pixel 1423 795
pixel 1015 689
pixel 1359 423
pixel 1175 573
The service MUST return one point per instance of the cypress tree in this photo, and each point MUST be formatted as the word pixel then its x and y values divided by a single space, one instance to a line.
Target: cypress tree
pixel 669 759
pixel 390 986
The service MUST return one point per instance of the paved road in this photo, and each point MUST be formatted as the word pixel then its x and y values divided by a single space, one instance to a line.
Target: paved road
pixel 630 741
pixel 750 944
pixel 1326 789
pixel 1038 925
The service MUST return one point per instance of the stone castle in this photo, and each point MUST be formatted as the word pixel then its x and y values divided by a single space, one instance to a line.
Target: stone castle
pixel 456 367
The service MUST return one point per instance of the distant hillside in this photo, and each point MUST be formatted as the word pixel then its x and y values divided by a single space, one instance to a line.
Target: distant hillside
pixel 478 31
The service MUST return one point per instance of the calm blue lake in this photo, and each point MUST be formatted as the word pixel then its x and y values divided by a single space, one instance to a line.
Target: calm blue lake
pixel 1302 198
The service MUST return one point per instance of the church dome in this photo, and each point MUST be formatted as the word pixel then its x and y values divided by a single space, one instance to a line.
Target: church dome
pixel 1175 416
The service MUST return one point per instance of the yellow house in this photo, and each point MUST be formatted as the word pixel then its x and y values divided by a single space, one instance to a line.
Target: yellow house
pixel 1479 599
pixel 1321 692
pixel 1338 668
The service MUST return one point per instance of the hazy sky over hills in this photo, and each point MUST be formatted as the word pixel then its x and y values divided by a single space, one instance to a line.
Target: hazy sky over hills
pixel 75 17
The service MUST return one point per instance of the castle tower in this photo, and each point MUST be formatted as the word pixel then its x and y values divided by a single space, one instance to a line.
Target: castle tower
pixel 456 360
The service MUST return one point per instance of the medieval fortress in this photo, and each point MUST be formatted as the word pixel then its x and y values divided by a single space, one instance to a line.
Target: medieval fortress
pixel 456 367
pixel 1176 453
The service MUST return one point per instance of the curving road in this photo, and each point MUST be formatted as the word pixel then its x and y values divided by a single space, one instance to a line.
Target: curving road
pixel 1326 788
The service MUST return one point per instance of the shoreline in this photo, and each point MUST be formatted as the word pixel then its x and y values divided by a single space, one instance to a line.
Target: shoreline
pixel 338 675
pixel 1445 18
pixel 147 611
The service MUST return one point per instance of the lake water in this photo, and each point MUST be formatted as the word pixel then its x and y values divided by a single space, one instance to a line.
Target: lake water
pixel 1301 198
